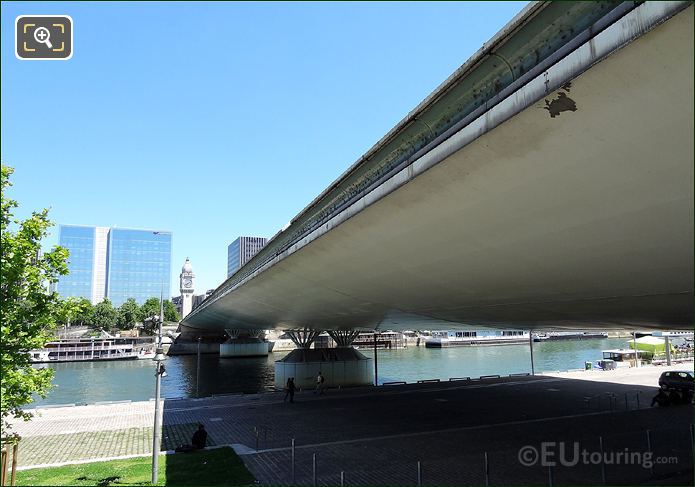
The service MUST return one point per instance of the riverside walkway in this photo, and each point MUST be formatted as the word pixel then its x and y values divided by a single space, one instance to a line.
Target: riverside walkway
pixel 378 436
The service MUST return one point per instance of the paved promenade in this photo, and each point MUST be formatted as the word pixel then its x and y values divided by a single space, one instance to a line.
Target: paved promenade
pixel 377 436
pixel 639 376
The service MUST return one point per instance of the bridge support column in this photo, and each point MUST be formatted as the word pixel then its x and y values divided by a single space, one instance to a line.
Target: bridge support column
pixel 244 343
pixel 340 366
pixel 376 364
pixel 187 342
pixel 343 338
pixel 303 338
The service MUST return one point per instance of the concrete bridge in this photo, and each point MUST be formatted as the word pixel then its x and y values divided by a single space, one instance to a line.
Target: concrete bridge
pixel 546 184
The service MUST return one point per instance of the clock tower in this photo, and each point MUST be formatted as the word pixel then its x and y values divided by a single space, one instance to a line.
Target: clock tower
pixel 187 278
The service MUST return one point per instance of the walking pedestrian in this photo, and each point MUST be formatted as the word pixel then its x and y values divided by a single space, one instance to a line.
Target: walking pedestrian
pixel 289 390
pixel 319 383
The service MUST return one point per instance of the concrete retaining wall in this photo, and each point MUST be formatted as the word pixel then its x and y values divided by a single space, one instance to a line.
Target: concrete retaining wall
pixel 336 373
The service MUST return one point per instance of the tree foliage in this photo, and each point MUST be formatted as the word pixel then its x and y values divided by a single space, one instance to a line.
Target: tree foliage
pixel 85 312
pixel 73 309
pixel 149 309
pixel 104 315
pixel 28 312
pixel 128 314
pixel 170 312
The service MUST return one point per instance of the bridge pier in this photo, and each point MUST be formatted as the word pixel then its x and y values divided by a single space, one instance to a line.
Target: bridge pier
pixel 340 366
pixel 244 343
pixel 186 343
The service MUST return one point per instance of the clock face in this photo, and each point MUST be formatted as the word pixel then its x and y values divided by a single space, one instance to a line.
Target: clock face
pixel 187 283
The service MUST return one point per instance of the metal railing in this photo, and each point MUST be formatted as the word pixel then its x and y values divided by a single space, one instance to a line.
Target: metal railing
pixel 656 454
pixel 611 401
pixel 84 349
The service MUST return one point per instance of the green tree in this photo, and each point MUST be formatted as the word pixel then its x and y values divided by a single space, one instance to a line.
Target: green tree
pixel 72 308
pixel 68 311
pixel 104 316
pixel 128 314
pixel 85 313
pixel 170 312
pixel 149 309
pixel 28 311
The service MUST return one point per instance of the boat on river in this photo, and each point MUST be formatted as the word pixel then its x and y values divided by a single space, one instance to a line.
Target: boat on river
pixel 445 339
pixel 568 335
pixel 91 350
pixel 415 338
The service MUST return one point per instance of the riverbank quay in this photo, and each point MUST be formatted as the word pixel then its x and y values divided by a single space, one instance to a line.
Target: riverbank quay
pixel 378 435
pixel 640 376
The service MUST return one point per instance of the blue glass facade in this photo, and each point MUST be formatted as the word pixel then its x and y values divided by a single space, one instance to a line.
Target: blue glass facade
pixel 233 257
pixel 139 264
pixel 116 263
pixel 80 243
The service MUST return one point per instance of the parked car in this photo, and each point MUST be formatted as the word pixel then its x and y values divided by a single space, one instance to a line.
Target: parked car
pixel 675 387
pixel 681 380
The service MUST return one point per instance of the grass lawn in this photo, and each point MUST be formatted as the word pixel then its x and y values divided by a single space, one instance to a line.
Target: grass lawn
pixel 211 467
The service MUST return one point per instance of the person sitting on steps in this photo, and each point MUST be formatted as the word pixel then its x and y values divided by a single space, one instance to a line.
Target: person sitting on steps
pixel 200 437
pixel 198 441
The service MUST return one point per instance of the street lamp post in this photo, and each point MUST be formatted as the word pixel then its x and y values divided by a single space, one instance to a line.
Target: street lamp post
pixel 159 357
pixel 197 372
pixel 160 372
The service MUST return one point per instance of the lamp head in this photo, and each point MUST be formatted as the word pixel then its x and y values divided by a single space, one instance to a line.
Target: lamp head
pixel 159 355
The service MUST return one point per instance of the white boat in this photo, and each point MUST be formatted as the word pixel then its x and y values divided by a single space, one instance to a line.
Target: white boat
pixel 568 335
pixel 618 358
pixel 539 337
pixel 384 339
pixel 415 338
pixel 87 350
pixel 145 354
pixel 445 339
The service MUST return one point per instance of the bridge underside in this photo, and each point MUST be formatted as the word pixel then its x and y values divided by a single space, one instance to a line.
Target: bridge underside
pixel 583 219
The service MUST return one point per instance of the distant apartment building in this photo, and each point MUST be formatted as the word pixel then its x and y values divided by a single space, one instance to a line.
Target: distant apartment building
pixel 177 301
pixel 116 263
pixel 241 250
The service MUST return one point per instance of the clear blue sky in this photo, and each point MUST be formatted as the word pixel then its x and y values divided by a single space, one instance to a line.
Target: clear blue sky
pixel 214 120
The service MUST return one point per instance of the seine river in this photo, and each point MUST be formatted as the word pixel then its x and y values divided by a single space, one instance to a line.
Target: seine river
pixel 91 382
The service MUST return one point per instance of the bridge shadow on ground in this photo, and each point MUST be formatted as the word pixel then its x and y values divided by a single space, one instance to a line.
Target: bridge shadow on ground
pixel 577 432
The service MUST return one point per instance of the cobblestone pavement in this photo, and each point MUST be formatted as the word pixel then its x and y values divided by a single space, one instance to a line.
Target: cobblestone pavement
pixel 50 449
pixel 377 436
pixel 99 417
pixel 457 457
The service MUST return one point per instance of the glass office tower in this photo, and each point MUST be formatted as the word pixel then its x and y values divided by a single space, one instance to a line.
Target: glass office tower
pixel 80 242
pixel 139 265
pixel 117 263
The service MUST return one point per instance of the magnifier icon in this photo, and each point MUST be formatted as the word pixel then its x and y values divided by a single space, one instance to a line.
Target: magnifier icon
pixel 43 36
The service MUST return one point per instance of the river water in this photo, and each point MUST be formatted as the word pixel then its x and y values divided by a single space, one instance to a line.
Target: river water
pixel 90 382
